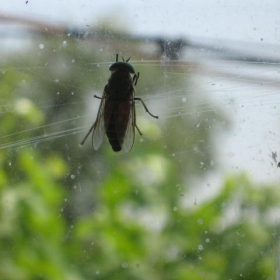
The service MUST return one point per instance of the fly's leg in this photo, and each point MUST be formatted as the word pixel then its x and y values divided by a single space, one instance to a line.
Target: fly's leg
pixel 134 118
pixel 90 130
pixel 135 78
pixel 92 127
pixel 138 129
pixel 95 96
pixel 144 105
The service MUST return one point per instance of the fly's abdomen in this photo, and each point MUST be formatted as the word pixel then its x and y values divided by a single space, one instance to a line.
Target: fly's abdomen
pixel 116 118
pixel 114 141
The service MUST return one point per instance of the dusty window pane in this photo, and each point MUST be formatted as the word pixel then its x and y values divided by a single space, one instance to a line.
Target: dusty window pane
pixel 197 195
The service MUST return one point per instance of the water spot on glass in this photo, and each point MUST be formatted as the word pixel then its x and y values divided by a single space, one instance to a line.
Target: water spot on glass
pixel 200 221
pixel 242 234
pixel 175 208
pixel 200 247
pixel 184 99
pixel 73 176
pixel 230 154
pixel 124 265
pixel 64 43
pixel 73 60
pixel 97 272
pixel 41 46
pixel 56 80
pixel 207 240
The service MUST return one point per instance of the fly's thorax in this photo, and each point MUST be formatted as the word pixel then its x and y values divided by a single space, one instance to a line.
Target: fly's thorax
pixel 120 84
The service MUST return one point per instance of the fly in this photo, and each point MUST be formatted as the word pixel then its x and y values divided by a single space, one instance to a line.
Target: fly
pixel 116 114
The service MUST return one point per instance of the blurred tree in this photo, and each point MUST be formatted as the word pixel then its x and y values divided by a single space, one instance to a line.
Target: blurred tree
pixel 135 233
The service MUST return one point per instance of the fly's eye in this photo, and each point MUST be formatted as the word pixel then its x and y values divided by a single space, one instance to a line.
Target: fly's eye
pixel 122 65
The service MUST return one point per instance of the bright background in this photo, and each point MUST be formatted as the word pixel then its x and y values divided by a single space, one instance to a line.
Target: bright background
pixel 250 21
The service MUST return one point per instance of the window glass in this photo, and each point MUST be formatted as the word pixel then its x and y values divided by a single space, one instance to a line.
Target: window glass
pixel 197 195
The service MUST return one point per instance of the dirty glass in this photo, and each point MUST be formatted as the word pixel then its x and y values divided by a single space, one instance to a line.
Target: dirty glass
pixel 197 197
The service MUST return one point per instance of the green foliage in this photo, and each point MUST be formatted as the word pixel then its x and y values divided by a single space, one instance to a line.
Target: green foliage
pixel 73 213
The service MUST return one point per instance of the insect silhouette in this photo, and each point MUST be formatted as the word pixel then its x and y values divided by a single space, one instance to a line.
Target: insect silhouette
pixel 116 114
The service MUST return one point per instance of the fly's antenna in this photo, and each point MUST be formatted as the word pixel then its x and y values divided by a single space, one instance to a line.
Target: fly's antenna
pixel 117 57
pixel 125 60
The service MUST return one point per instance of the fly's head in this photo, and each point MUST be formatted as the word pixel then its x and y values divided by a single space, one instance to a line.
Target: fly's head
pixel 122 65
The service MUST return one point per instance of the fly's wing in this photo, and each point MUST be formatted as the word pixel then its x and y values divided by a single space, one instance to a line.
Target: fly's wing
pixel 130 131
pixel 99 127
